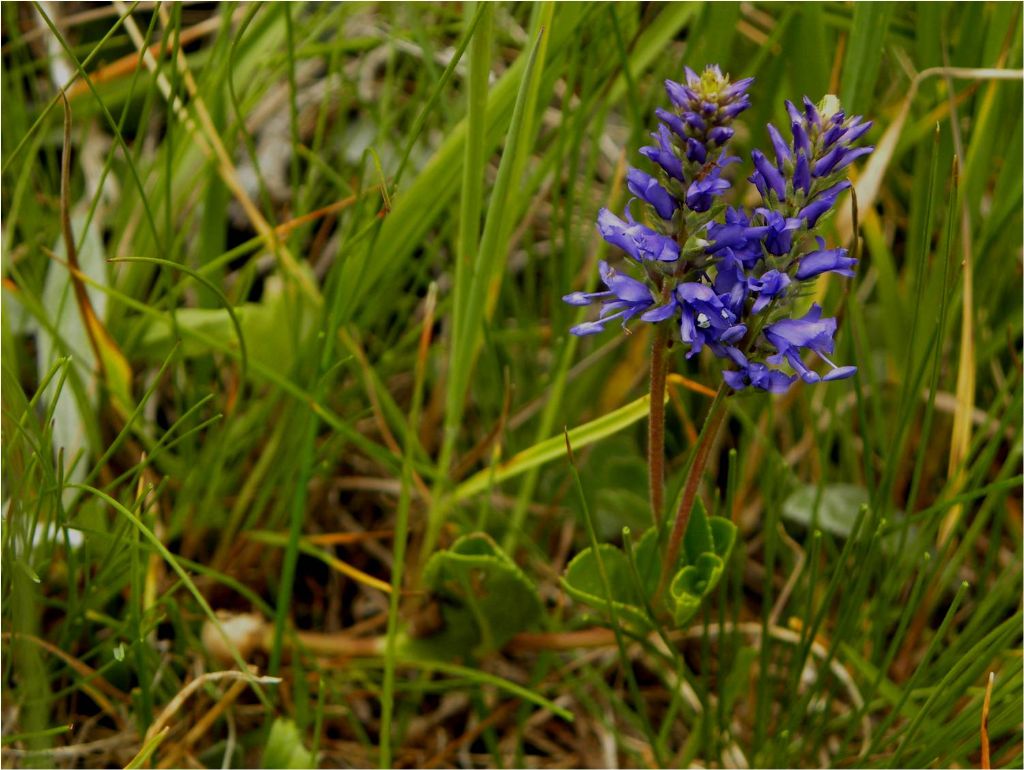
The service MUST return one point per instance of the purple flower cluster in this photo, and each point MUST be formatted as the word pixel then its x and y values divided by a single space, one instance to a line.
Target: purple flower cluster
pixel 727 276
pixel 689 153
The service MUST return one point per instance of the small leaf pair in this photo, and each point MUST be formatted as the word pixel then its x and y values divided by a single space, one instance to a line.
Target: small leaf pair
pixel 633 574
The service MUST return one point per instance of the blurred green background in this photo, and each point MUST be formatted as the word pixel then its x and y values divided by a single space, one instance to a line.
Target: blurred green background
pixel 343 232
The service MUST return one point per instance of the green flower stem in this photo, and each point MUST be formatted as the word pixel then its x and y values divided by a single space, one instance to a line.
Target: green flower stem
pixel 700 458
pixel 656 424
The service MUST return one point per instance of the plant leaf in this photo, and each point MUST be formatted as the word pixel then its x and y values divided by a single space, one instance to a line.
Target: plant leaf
pixel 698 538
pixel 554 447
pixel 692 583
pixel 835 512
pixel 284 747
pixel 706 546
pixel 484 598
pixel 582 581
pixel 269 322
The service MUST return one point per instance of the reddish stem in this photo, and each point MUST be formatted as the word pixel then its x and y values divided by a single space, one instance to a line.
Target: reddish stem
pixel 700 459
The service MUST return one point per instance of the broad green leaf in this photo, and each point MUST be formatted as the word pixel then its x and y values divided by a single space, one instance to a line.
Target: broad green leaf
pixel 835 512
pixel 723 532
pixel 582 581
pixel 484 599
pixel 284 747
pixel 266 324
pixel 615 508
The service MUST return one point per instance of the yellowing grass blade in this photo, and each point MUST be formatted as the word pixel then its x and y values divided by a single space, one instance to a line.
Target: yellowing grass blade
pixel 281 539
pixel 554 447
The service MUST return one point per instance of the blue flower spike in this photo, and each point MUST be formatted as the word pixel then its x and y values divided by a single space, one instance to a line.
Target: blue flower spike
pixel 725 278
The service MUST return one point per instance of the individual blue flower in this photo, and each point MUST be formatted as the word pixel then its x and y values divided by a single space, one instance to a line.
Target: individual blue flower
pixel 673 121
pixel 683 97
pixel 824 260
pixel 821 203
pixel 646 187
pixel 640 242
pixel 705 318
pixel 838 158
pixel 811 112
pixel 733 286
pixel 767 177
pixel 662 312
pixel 731 283
pixel 719 135
pixel 702 193
pixel 771 285
pixel 782 152
pixel 802 173
pixel 626 297
pixel 664 153
pixel 812 332
pixel 637 240
pixel 779 237
pixel 759 376
pixel 695 151
pixel 844 131
pixel 801 138
pixel 737 234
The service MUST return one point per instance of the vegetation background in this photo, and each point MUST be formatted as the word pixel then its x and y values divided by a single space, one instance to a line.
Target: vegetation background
pixel 312 313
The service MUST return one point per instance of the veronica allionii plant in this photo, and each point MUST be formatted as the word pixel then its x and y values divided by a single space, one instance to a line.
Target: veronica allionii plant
pixel 726 278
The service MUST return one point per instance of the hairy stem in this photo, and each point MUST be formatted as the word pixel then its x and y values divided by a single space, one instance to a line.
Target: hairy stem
pixel 700 458
pixel 656 425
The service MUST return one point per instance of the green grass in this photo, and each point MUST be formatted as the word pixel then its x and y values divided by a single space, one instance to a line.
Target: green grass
pixel 391 366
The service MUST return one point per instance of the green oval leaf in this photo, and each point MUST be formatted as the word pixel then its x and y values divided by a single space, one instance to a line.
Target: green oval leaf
pixel 835 511
pixel 582 581
pixel 484 599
